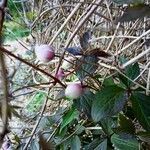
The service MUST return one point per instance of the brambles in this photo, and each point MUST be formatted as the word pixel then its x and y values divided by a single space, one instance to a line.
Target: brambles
pixel 44 53
pixel 80 97
pixel 74 90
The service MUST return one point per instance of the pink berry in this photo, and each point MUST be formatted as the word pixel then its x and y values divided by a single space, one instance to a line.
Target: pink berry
pixel 60 74
pixel 44 53
pixel 74 90
pixel 5 145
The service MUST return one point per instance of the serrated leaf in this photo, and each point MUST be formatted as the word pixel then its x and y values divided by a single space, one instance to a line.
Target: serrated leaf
pixel 140 105
pixel 86 66
pixel 128 1
pixel 74 50
pixel 109 124
pixel 84 40
pixel 69 117
pixel 125 142
pixel 84 103
pixel 75 143
pixel 102 146
pixel 135 12
pixel 125 124
pixel 93 144
pixel 108 101
pixel 131 72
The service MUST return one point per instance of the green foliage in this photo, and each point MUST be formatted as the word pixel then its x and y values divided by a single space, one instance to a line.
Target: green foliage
pixel 112 112
pixel 141 103
pixel 69 117
pixel 125 142
pixel 14 8
pixel 14 29
pixel 35 103
pixel 75 143
pixel 84 103
pixel 131 72
pixel 86 66
pixel 125 125
pixel 107 105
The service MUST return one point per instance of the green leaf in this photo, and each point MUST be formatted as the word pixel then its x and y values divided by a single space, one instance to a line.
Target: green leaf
pixel 75 143
pixel 141 108
pixel 35 103
pixel 125 124
pixel 102 146
pixel 125 142
pixel 97 144
pixel 69 117
pixel 108 124
pixel 84 103
pixel 128 1
pixel 86 66
pixel 108 82
pixel 135 12
pixel 131 72
pixel 109 101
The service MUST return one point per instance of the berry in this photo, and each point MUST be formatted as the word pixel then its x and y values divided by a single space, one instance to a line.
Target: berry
pixel 74 90
pixel 44 53
pixel 60 74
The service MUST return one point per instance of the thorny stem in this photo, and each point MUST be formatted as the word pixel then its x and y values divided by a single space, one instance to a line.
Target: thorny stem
pixel 4 100
pixel 31 65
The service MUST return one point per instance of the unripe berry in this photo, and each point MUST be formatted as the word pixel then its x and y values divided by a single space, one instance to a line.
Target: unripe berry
pixel 74 90
pixel 44 53
pixel 60 74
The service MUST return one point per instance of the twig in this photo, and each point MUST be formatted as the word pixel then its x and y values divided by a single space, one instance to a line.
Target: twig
pixel 113 37
pixel 82 22
pixel 135 59
pixel 148 83
pixel 37 123
pixel 134 41
pixel 72 133
pixel 31 65
pixel 66 21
